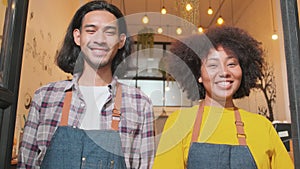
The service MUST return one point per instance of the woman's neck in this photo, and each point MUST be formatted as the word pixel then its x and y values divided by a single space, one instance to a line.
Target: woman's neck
pixel 218 103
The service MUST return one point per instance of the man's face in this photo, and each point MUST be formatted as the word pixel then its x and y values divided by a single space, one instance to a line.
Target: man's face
pixel 99 39
pixel 221 75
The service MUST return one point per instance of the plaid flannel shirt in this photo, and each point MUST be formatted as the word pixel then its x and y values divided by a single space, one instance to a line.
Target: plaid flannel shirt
pixel 136 126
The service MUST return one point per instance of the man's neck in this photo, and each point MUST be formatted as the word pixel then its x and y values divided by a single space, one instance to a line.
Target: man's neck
pixel 99 77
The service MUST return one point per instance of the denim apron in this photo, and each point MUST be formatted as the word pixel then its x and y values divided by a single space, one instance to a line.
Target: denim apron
pixel 220 156
pixel 74 148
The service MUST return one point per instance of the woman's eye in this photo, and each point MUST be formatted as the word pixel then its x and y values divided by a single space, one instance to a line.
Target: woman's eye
pixel 212 65
pixel 232 64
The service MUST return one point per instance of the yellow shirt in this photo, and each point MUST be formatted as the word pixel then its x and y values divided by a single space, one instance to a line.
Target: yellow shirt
pixel 218 127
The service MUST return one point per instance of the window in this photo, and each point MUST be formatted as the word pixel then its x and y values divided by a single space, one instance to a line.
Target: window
pixel 146 74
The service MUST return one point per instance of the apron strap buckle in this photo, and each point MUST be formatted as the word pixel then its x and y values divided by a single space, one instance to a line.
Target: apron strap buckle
pixel 241 135
pixel 239 123
pixel 116 115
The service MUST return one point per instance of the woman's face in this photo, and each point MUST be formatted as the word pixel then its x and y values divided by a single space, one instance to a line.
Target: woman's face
pixel 221 75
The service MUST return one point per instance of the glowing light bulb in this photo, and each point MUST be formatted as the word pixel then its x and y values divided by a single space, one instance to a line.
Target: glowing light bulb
pixel 220 20
pixel 145 19
pixel 163 10
pixel 159 30
pixel 274 36
pixel 210 11
pixel 179 31
pixel 188 7
pixel 200 29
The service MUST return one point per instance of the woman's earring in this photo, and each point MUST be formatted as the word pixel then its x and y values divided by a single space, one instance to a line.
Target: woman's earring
pixel 200 80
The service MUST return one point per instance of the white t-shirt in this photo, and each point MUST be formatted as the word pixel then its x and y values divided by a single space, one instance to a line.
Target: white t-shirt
pixel 94 97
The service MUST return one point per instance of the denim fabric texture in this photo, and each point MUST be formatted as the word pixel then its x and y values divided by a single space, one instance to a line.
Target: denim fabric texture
pixel 220 156
pixel 73 148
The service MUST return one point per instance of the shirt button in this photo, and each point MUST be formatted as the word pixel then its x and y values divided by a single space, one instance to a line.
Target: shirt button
pixel 83 158
pixel 74 127
pixel 82 104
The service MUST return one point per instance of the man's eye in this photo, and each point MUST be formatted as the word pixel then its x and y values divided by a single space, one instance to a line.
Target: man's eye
pixel 90 31
pixel 110 33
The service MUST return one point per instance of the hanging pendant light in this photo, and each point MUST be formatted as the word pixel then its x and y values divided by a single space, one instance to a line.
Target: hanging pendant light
pixel 200 29
pixel 145 19
pixel 160 30
pixel 210 10
pixel 220 20
pixel 188 7
pixel 178 30
pixel 163 10
pixel 274 35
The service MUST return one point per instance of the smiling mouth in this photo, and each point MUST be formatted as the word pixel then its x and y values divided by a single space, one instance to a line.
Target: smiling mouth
pixel 99 52
pixel 224 83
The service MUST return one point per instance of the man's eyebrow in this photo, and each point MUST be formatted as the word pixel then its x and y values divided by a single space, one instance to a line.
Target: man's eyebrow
pixel 212 58
pixel 89 25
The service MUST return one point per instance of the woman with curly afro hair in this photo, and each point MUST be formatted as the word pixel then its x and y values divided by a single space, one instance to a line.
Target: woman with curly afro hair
pixel 217 67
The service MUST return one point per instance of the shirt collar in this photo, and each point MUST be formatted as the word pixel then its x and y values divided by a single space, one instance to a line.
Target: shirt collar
pixel 74 84
pixel 113 86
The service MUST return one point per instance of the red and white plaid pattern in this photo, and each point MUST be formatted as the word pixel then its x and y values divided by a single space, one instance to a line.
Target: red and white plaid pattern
pixel 136 126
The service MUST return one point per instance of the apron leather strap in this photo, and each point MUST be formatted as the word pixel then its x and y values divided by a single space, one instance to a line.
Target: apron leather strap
pixel 240 128
pixel 66 109
pixel 198 123
pixel 238 123
pixel 116 114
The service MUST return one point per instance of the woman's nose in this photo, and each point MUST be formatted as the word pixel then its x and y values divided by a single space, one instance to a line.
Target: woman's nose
pixel 224 72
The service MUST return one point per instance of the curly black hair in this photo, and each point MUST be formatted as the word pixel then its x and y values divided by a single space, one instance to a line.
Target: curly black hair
pixel 67 58
pixel 189 51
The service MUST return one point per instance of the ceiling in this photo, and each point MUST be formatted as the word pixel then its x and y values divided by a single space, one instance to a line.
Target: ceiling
pixel 230 10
